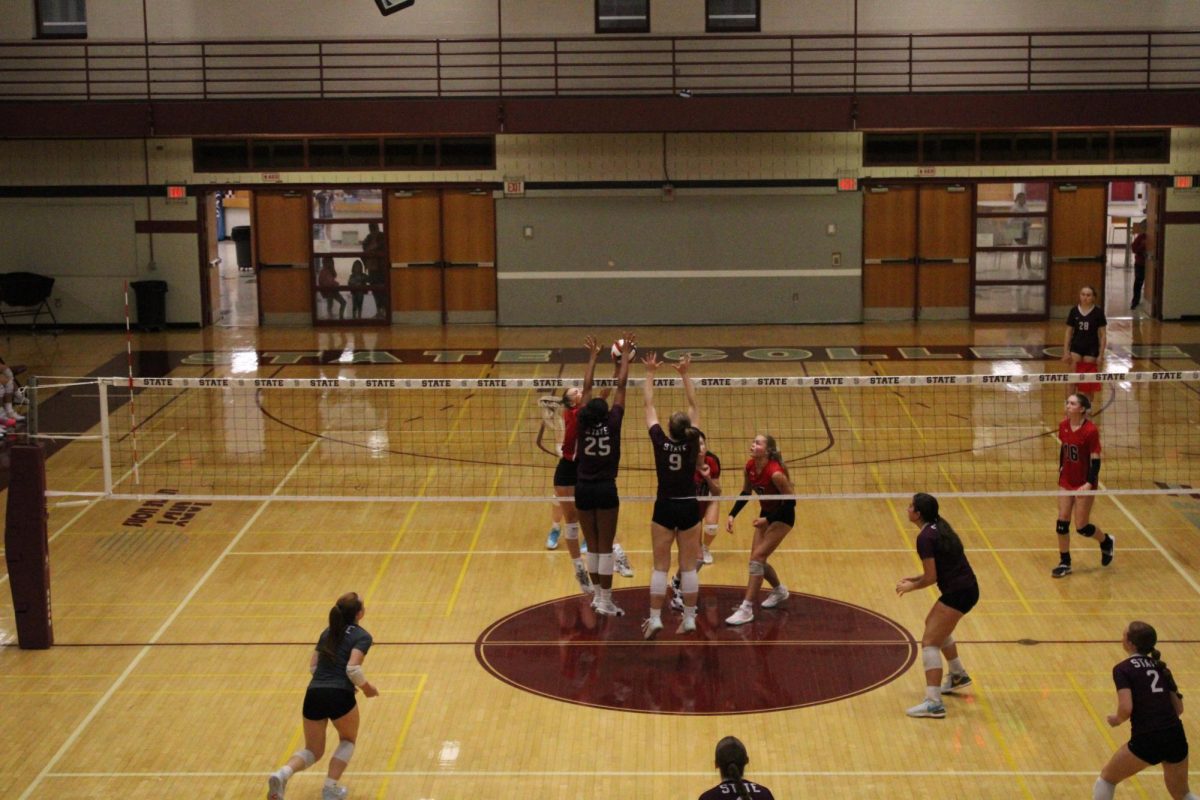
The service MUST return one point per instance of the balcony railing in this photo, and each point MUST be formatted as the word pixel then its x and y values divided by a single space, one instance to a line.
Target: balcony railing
pixel 634 65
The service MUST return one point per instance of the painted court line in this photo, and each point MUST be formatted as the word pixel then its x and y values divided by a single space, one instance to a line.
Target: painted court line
pixel 124 676
pixel 1157 545
pixel 998 773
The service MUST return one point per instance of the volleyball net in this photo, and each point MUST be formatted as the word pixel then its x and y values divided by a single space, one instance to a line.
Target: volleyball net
pixel 440 439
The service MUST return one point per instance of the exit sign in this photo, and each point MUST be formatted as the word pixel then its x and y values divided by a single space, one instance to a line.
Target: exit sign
pixel 1184 181
pixel 176 194
pixel 514 187
pixel 847 184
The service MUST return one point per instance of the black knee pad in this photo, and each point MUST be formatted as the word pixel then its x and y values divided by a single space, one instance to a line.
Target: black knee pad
pixel 1063 526
pixel 1087 530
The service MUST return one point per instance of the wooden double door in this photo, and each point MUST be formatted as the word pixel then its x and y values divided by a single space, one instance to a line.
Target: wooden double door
pixel 442 244
pixel 917 252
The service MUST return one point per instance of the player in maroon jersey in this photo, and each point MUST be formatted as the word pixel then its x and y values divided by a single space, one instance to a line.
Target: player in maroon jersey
pixel 1086 338
pixel 1079 473
pixel 731 760
pixel 944 563
pixel 597 458
pixel 676 516
pixel 765 475
pixel 1148 697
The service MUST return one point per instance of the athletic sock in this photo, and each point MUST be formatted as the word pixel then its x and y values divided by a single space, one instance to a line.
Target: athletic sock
pixel 1064 558
pixel 956 667
pixel 1103 790
pixel 656 613
pixel 689 611
pixel 933 694
pixel 330 783
pixel 286 773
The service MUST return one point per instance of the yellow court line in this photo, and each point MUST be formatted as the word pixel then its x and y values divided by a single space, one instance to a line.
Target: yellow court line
pixel 403 736
pixel 988 542
pixel 1103 726
pixel 487 506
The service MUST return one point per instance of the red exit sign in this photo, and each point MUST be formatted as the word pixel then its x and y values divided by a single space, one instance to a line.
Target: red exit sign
pixel 847 184
pixel 1184 181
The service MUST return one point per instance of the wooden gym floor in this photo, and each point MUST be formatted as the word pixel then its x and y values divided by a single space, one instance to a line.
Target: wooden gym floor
pixel 180 658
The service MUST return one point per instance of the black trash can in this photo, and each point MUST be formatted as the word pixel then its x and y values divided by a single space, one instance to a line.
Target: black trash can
pixel 241 240
pixel 151 304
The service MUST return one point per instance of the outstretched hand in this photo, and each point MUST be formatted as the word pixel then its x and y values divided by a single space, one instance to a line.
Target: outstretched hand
pixel 681 366
pixel 650 362
pixel 628 345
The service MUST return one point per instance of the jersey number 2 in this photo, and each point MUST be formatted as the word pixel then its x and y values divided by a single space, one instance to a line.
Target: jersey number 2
pixel 1154 687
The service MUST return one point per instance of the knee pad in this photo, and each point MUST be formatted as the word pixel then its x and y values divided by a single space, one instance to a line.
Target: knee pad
pixel 1062 527
pixel 710 530
pixel 593 563
pixel 757 568
pixel 949 641
pixel 572 531
pixel 931 657
pixel 605 564
pixel 1086 530
pixel 689 582
pixel 658 582
pixel 306 756
pixel 343 751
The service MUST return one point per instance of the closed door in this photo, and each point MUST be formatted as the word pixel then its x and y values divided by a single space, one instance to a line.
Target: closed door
pixel 469 255
pixel 944 252
pixel 890 252
pixel 1079 217
pixel 415 244
pixel 281 248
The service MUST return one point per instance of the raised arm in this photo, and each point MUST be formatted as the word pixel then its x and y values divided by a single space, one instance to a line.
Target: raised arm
pixel 651 363
pixel 589 371
pixel 627 345
pixel 689 389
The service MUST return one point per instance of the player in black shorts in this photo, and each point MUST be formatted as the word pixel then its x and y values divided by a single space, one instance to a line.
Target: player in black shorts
pixel 336 667
pixel 945 563
pixel 1086 338
pixel 1148 697
pixel 597 458
pixel 676 518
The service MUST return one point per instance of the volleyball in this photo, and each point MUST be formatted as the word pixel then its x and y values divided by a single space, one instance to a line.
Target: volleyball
pixel 616 350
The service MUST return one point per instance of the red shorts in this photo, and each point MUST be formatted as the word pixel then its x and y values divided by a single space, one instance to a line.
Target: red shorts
pixel 1084 367
pixel 1065 484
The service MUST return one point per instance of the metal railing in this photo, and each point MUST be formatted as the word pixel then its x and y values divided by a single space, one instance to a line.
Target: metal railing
pixel 581 66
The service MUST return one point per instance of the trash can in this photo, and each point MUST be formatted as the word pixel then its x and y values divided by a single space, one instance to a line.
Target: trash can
pixel 241 240
pixel 151 304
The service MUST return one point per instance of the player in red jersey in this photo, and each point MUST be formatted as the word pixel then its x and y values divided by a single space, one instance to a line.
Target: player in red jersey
pixel 1146 695
pixel 1078 473
pixel 676 516
pixel 765 475
pixel 707 479
pixel 564 479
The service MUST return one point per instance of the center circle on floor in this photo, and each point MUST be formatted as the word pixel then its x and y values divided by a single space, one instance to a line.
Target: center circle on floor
pixel 810 651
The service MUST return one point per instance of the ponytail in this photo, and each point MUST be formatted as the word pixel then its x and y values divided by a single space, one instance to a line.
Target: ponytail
pixel 731 761
pixel 1143 637
pixel 926 506
pixel 681 429
pixel 343 614
pixel 773 453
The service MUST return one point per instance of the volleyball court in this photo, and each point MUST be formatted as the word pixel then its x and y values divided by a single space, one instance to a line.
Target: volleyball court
pixel 430 494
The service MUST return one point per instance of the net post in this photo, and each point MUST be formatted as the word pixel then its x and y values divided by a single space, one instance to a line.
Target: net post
pixel 105 438
pixel 27 548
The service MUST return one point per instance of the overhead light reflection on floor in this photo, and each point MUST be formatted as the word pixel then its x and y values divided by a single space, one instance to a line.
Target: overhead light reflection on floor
pixel 448 756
